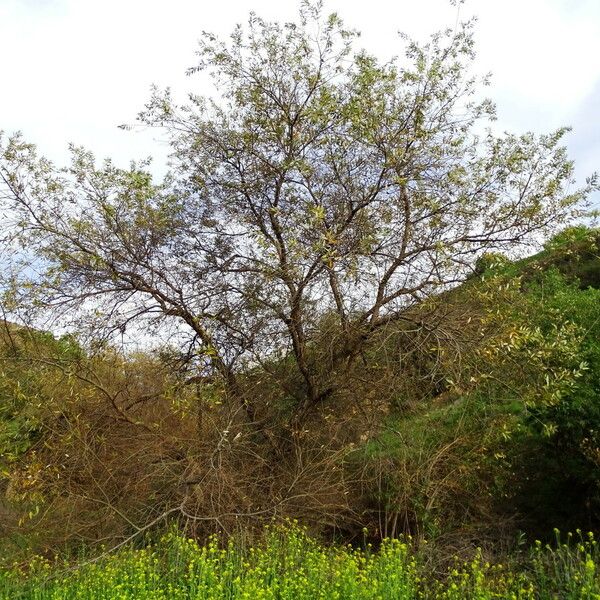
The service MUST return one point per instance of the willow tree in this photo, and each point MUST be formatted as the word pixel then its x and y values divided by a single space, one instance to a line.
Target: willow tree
pixel 315 181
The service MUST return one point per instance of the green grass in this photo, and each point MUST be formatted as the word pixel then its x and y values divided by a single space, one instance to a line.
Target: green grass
pixel 291 565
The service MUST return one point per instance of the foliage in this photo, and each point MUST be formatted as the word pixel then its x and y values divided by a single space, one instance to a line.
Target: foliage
pixel 509 438
pixel 439 471
pixel 473 416
pixel 289 564
pixel 28 386
pixel 543 354
pixel 318 181
pixel 490 260
pixel 340 334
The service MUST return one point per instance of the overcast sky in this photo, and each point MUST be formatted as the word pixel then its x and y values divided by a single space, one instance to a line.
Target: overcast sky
pixel 72 70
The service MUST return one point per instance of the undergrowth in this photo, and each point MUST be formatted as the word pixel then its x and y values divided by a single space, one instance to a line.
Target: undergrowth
pixel 290 564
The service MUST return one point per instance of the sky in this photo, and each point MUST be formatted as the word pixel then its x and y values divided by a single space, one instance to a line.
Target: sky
pixel 73 70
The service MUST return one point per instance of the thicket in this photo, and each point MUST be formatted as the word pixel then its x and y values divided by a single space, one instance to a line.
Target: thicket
pixel 480 423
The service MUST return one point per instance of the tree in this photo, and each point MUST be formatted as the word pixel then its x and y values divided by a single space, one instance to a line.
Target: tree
pixel 317 183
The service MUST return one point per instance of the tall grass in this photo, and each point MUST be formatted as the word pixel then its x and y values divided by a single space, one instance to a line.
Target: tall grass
pixel 291 565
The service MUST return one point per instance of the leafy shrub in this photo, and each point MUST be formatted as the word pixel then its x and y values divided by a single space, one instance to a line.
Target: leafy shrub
pixel 490 260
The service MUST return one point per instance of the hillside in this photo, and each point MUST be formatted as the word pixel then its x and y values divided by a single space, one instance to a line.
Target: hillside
pixel 472 418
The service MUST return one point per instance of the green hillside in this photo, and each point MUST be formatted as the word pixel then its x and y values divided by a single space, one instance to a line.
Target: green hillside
pixel 473 418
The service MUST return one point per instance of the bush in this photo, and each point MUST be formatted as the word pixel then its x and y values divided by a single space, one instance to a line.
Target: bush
pixel 490 260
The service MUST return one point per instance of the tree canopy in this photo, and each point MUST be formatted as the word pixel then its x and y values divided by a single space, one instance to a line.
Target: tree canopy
pixel 317 183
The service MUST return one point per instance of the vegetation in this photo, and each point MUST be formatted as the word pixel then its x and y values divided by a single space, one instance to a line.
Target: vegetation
pixel 318 183
pixel 291 565
pixel 97 448
pixel 335 324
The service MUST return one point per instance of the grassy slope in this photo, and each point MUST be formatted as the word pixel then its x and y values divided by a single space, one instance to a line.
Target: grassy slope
pixel 472 462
